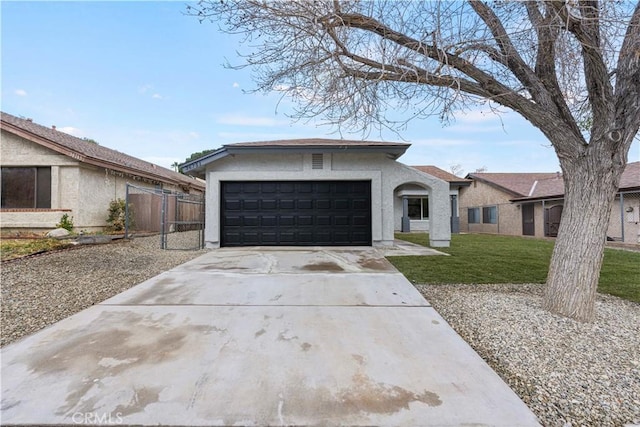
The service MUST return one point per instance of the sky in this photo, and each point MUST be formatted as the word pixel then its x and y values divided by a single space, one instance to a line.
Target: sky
pixel 143 78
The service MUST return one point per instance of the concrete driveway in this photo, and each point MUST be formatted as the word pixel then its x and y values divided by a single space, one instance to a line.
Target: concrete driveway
pixel 258 337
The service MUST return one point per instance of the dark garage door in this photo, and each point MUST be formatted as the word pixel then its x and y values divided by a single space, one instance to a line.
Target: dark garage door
pixel 296 213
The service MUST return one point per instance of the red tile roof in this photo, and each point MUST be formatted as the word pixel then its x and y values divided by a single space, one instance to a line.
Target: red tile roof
pixel 92 153
pixel 440 173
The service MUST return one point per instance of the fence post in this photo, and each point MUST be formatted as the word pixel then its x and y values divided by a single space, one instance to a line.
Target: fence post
pixel 163 243
pixel 126 211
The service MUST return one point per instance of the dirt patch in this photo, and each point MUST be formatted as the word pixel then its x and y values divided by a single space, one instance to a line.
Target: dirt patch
pixel 323 266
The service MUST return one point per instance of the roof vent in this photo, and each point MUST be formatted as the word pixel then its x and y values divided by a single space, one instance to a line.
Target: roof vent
pixel 30 120
pixel 317 161
pixel 53 127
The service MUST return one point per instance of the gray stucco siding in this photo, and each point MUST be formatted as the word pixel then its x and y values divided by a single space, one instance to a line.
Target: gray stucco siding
pixel 384 174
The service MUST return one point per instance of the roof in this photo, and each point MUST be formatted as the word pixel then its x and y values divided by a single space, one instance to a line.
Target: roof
pixel 394 149
pixel 516 184
pixel 553 188
pixel 318 142
pixel 442 174
pixel 92 153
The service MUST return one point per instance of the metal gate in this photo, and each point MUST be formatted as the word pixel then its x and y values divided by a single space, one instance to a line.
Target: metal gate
pixel 177 217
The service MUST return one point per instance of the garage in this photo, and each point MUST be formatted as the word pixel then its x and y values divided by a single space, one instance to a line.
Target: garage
pixel 295 213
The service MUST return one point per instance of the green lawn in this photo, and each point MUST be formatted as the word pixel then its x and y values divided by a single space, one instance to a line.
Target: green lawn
pixel 482 258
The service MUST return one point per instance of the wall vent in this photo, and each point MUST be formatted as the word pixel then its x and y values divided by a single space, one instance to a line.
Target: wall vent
pixel 317 161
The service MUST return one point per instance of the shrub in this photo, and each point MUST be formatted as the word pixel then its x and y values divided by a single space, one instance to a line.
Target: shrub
pixel 66 222
pixel 117 212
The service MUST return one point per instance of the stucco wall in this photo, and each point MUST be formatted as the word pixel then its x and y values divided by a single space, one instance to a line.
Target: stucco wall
pixel 77 189
pixel 385 175
pixel 16 151
pixel 479 195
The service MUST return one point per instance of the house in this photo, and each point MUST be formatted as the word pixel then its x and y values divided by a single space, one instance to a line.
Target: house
pixel 418 208
pixel 531 204
pixel 316 192
pixel 47 173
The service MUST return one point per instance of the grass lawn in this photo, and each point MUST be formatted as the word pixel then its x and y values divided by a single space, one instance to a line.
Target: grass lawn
pixel 14 248
pixel 483 258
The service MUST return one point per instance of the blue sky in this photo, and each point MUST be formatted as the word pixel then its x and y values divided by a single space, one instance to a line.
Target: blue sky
pixel 144 79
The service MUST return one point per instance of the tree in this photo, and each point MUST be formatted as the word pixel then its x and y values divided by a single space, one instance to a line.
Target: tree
pixel 457 169
pixel 570 67
pixel 197 155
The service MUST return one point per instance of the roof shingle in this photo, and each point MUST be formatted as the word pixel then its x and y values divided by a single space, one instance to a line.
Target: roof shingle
pixel 440 173
pixel 90 152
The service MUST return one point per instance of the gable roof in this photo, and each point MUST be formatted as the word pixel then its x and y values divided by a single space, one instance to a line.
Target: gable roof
pixel 393 149
pixel 516 184
pixel 92 153
pixel 442 174
pixel 554 188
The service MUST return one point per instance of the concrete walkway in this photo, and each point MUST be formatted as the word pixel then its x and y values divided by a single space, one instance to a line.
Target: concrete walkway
pixel 258 337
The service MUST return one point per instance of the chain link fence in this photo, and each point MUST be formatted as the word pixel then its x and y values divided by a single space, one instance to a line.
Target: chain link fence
pixel 178 218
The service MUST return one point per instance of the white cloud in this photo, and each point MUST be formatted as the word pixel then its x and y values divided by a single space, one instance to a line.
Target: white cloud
pixel 235 84
pixel 156 96
pixel 20 92
pixel 144 88
pixel 194 135
pixel 243 120
pixel 71 131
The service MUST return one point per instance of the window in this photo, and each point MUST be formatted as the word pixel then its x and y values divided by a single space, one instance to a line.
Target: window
pixel 490 215
pixel 473 215
pixel 419 208
pixel 26 188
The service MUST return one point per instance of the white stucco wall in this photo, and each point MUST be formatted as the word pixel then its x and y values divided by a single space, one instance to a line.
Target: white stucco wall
pixel 385 175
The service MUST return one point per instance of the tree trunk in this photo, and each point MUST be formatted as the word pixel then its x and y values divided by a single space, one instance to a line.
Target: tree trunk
pixel 591 182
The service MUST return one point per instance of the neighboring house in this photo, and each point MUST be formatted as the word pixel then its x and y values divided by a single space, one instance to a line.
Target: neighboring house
pixel 531 204
pixel 314 192
pixel 47 173
pixel 418 207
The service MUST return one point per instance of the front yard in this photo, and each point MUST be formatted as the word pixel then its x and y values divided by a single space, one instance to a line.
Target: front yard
pixel 483 258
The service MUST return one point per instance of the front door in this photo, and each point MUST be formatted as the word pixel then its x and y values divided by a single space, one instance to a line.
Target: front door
pixel 528 220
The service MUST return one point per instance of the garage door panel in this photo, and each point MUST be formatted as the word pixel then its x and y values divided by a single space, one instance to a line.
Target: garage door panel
pixel 250 221
pixel 305 204
pixel 250 205
pixel 269 221
pixel 233 205
pixel 233 220
pixel 287 204
pixel 296 213
pixel 287 220
pixel 323 204
pixel 341 204
pixel 268 204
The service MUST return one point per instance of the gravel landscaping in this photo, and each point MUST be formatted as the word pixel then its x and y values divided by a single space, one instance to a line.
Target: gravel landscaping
pixel 568 373
pixel 39 291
